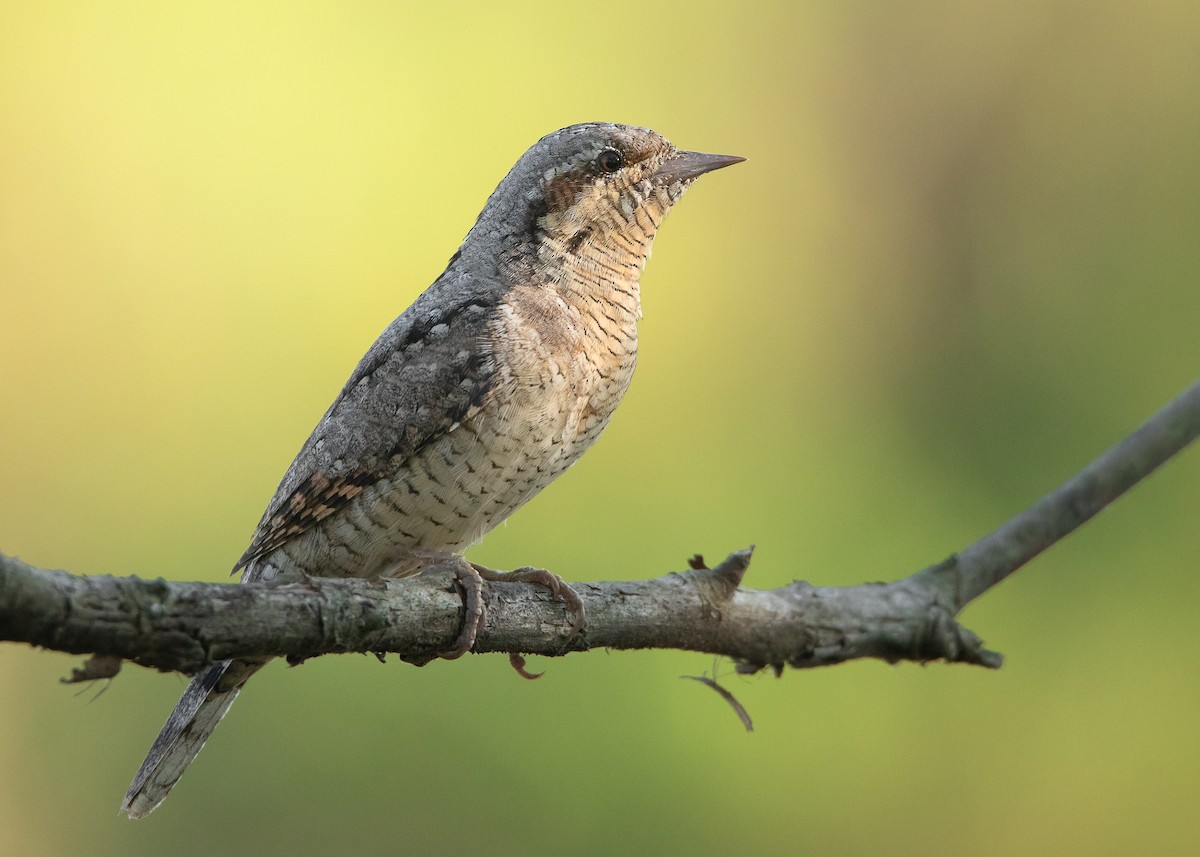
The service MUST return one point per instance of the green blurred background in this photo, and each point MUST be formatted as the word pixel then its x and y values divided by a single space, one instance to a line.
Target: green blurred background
pixel 962 260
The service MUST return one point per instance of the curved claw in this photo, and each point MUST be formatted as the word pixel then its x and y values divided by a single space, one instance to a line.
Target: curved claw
pixel 518 663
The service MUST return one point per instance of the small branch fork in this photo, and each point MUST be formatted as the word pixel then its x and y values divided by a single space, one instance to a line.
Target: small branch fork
pixel 184 626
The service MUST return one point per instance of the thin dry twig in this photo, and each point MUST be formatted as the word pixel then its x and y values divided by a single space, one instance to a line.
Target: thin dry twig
pixel 738 708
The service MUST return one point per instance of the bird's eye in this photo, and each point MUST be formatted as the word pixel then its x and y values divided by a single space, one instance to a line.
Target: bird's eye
pixel 610 160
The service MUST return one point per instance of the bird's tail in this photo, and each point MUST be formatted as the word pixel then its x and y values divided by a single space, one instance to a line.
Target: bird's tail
pixel 201 708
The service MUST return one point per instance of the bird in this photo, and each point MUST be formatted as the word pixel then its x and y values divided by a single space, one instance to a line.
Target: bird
pixel 485 389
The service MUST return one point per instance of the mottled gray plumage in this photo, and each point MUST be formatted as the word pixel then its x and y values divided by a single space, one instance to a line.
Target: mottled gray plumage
pixel 490 385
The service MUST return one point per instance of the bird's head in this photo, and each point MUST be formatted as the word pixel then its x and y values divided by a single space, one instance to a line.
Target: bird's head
pixel 595 188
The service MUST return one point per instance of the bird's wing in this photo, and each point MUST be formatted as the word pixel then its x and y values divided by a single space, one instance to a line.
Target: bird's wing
pixel 427 372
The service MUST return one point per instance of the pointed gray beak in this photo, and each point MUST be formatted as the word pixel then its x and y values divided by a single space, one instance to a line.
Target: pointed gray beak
pixel 686 166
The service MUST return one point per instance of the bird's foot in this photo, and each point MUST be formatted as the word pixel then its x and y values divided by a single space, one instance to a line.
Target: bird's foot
pixel 474 615
pixel 470 576
pixel 558 587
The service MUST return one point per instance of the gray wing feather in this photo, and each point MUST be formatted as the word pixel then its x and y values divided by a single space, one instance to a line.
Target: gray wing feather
pixel 424 374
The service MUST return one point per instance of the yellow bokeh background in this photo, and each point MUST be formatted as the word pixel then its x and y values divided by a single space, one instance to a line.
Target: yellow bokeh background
pixel 963 259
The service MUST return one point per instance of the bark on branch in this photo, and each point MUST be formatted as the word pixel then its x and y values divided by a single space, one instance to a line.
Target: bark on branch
pixel 184 626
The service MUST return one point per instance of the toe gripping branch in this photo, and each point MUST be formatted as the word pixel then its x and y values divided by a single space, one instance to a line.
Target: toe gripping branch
pixel 470 577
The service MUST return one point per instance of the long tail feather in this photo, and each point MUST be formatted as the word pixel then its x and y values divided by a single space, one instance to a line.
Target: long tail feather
pixel 204 703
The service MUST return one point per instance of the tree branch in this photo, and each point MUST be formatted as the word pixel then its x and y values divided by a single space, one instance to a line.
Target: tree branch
pixel 184 626
pixel 1000 553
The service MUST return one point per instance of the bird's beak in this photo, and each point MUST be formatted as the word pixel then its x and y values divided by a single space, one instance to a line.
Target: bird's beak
pixel 686 166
